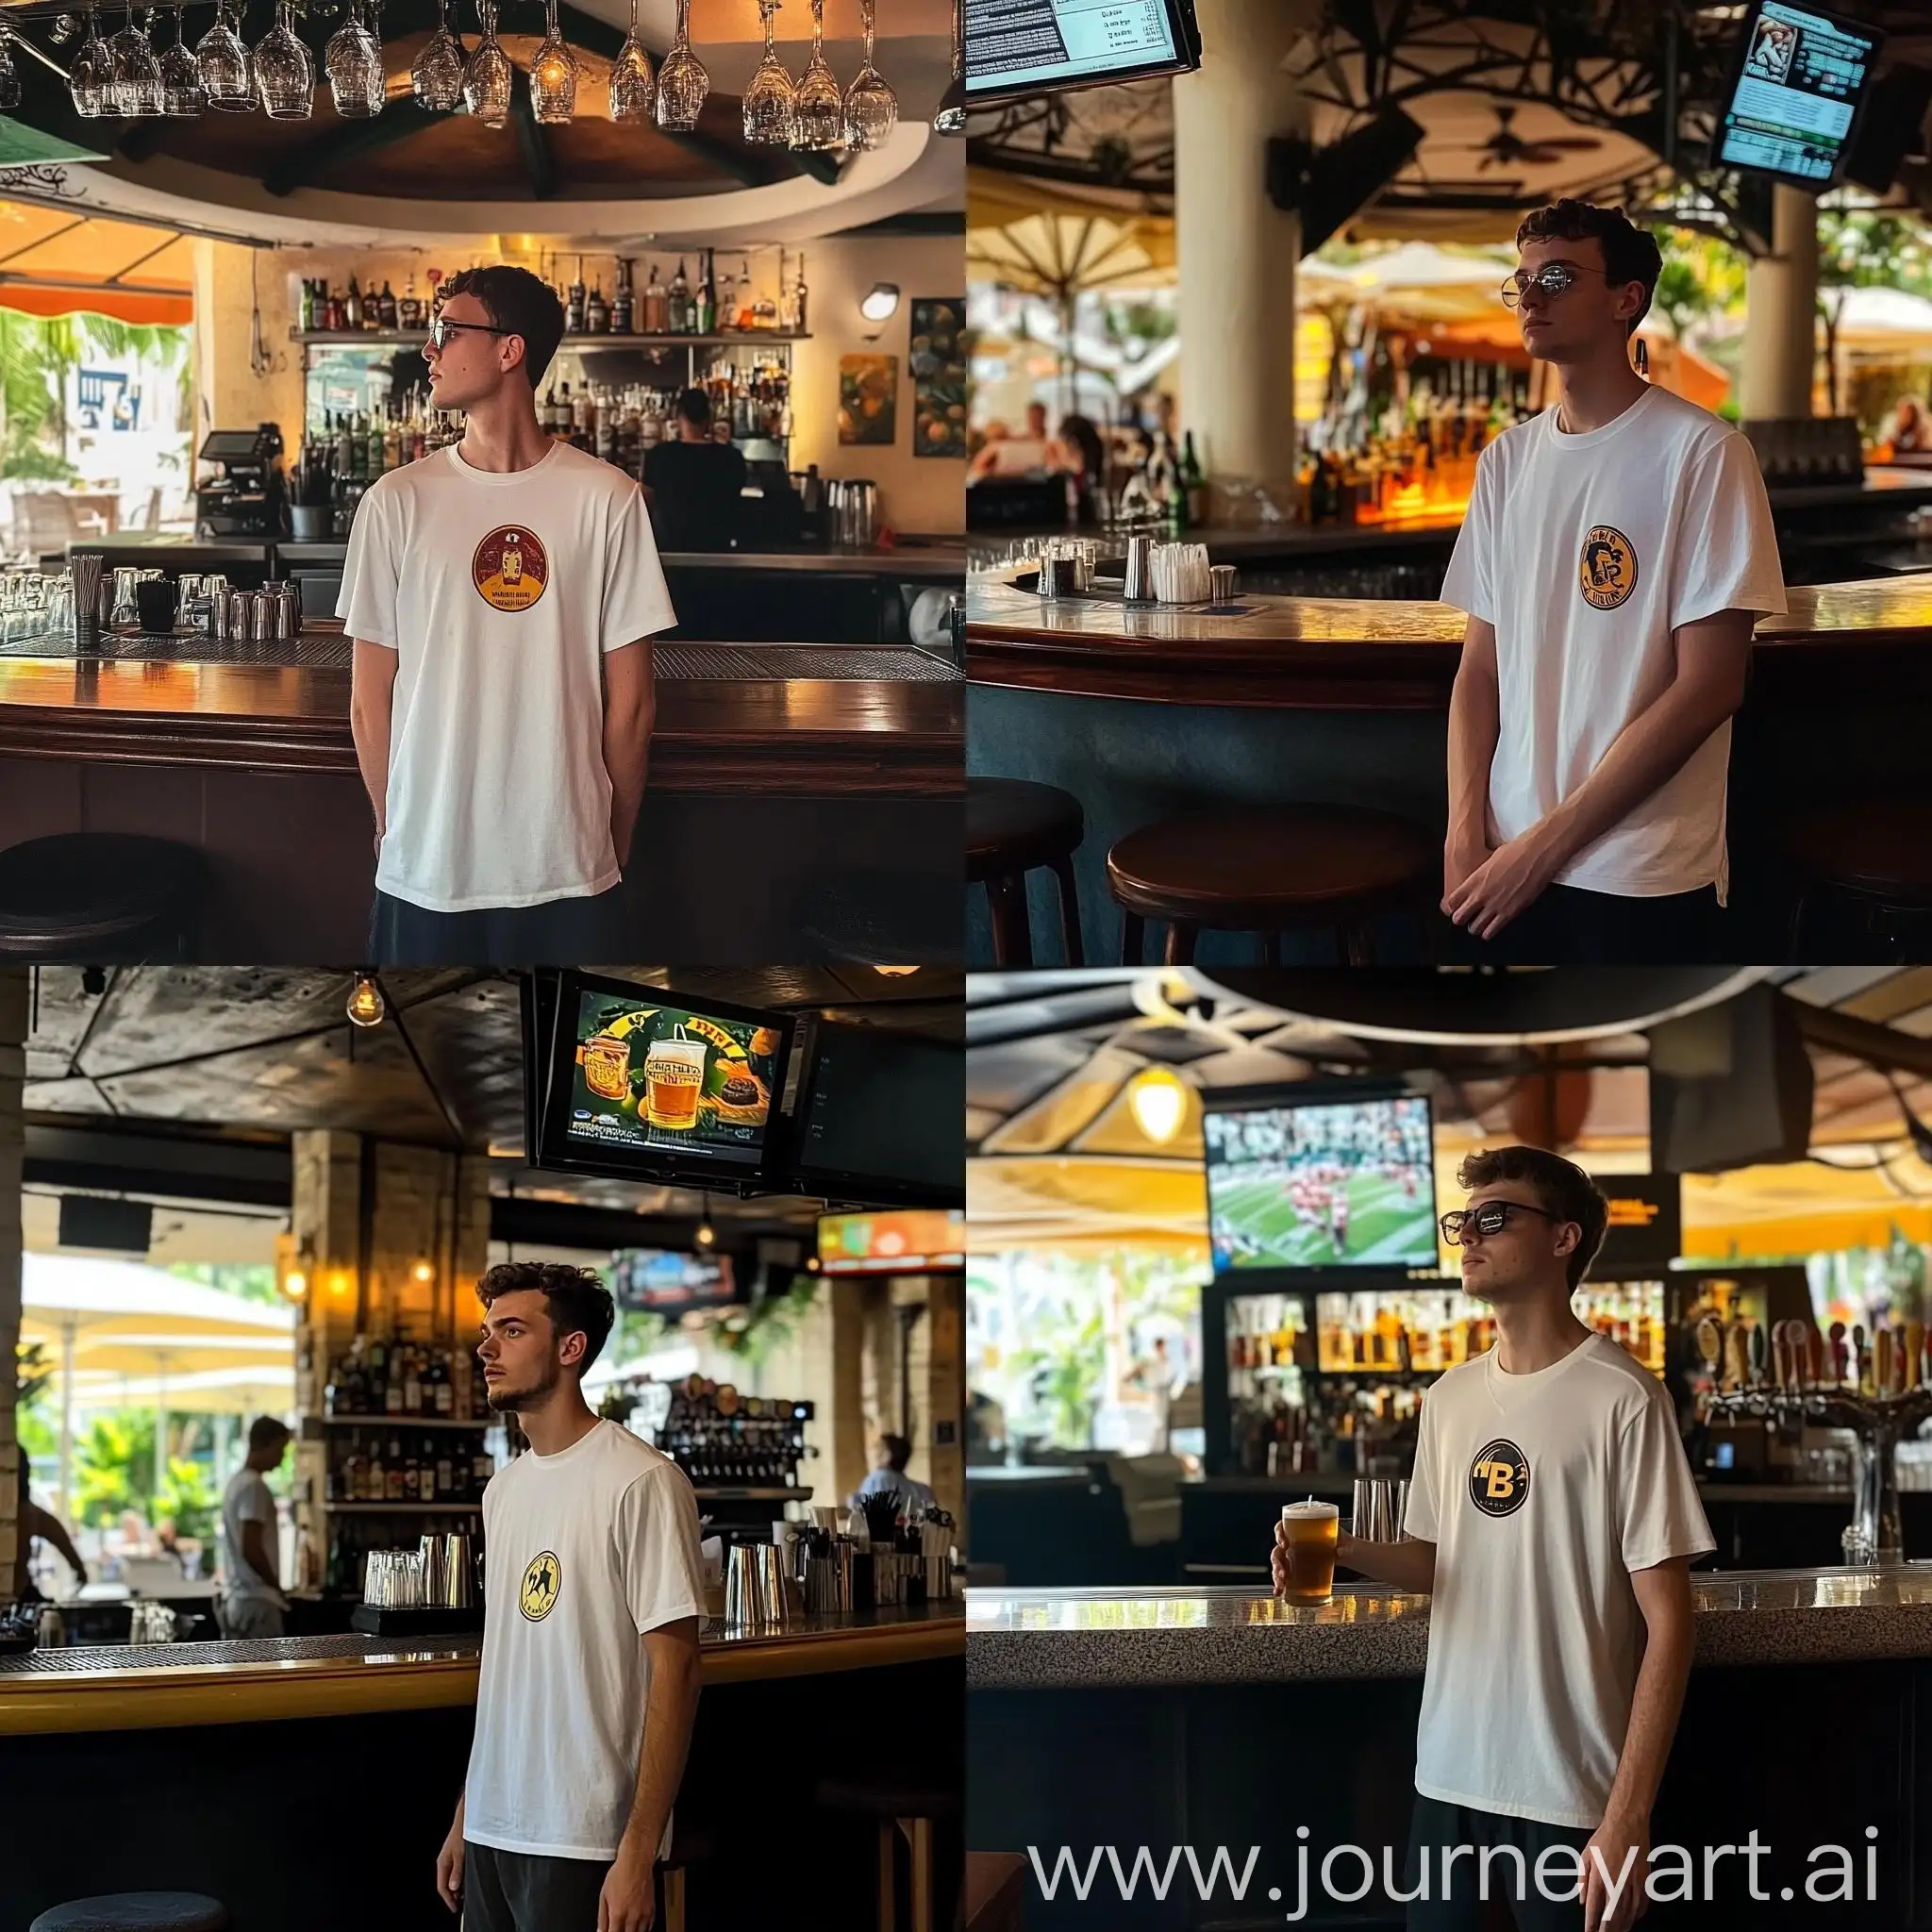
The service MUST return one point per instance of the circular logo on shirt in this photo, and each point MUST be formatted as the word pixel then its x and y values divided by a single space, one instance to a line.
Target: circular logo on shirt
pixel 1608 572
pixel 509 569
pixel 541 1582
pixel 1499 1478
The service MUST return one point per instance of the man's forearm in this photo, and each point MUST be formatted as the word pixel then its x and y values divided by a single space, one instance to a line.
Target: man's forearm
pixel 669 1716
pixel 1475 722
pixel 369 724
pixel 1655 1708
pixel 627 759
pixel 1409 1565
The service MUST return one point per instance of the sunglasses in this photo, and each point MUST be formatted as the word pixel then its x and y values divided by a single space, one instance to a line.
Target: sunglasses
pixel 1548 282
pixel 442 328
pixel 1493 1217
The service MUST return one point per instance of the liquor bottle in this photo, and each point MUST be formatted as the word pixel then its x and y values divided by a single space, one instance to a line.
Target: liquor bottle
pixel 561 422
pixel 413 1382
pixel 597 312
pixel 583 420
pixel 306 313
pixel 373 462
pixel 391 446
pixel 657 306
pixel 623 304
pixel 704 321
pixel 680 304
pixel 573 304
pixel 726 317
pixel 386 307
pixel 800 325
pixel 375 1476
pixel 606 427
pixel 409 306
pixel 352 306
pixel 547 414
pixel 443 1392
pixel 1193 482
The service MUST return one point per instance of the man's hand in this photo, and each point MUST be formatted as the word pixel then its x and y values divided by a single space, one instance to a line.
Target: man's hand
pixel 1463 854
pixel 449 1866
pixel 1277 1561
pixel 1615 1842
pixel 627 1904
pixel 1511 879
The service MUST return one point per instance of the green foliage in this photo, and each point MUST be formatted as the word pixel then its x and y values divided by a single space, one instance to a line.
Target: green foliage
pixel 36 353
pixel 248 1281
pixel 1065 1369
pixel 188 1497
pixel 753 1334
pixel 31 1371
pixel 113 1466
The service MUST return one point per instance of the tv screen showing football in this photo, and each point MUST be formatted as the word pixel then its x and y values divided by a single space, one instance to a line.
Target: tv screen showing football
pixel 1321 1184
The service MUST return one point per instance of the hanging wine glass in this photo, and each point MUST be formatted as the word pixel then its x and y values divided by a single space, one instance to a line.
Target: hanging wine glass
pixel 353 60
pixel 138 72
pixel 227 73
pixel 871 108
pixel 682 82
pixel 10 77
pixel 183 96
pixel 950 115
pixel 87 74
pixel 818 108
pixel 284 74
pixel 633 88
pixel 488 76
pixel 436 78
pixel 554 75
pixel 770 100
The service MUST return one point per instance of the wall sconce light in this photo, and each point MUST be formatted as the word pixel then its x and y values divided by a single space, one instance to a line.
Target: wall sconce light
pixel 424 1271
pixel 1159 1103
pixel 880 303
pixel 294 1283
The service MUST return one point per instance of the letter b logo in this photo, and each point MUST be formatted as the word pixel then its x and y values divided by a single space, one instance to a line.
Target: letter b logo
pixel 1499 1478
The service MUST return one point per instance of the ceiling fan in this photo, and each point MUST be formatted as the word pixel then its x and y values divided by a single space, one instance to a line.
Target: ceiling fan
pixel 1506 148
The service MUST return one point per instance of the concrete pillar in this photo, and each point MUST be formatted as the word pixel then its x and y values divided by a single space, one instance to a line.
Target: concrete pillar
pixel 13 1003
pixel 1781 313
pixel 1236 250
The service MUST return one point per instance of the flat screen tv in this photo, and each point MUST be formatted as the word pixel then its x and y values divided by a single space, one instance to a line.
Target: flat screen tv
pixel 911 1240
pixel 662 1281
pixel 1321 1182
pixel 1020 47
pixel 881 1116
pixel 1796 91
pixel 646 1084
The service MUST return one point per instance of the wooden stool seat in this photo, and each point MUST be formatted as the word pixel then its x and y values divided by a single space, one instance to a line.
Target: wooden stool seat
pixel 99 896
pixel 903 1804
pixel 1269 869
pixel 1012 826
pixel 136 1911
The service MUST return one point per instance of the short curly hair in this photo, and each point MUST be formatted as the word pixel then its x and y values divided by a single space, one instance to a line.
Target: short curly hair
pixel 1630 253
pixel 516 300
pixel 575 1299
pixel 1563 1187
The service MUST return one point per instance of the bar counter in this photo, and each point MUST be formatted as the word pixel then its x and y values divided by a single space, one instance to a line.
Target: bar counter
pixel 1142 711
pixel 769 765
pixel 307 1782
pixel 1221 1717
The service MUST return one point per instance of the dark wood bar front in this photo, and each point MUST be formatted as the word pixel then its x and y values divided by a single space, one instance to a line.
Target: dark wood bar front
pixel 769 766
pixel 1141 712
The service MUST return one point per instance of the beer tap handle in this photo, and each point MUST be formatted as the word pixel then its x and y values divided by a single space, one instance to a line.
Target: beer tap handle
pixel 1711 1345
pixel 1838 1352
pixel 1915 1353
pixel 1754 1340
pixel 1881 1348
pixel 1858 1357
pixel 1736 1362
pixel 1814 1355
pixel 1783 1373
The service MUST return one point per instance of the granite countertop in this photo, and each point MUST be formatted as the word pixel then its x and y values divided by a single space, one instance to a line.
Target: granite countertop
pixel 1127 1638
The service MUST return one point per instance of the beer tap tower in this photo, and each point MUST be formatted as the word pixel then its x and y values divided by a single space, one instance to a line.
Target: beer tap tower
pixel 1886 1398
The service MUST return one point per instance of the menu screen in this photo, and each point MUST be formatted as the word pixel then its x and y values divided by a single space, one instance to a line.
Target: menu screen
pixel 1322 1185
pixel 1797 94
pixel 660 1281
pixel 651 1077
pixel 1013 45
pixel 896 1244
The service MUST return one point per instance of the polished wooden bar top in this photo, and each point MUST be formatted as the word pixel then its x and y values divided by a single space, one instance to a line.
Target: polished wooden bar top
pixel 1051 1639
pixel 156 1686
pixel 783 737
pixel 1333 653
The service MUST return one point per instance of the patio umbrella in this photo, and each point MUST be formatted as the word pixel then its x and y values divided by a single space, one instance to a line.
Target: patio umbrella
pixel 127 1319
pixel 54 261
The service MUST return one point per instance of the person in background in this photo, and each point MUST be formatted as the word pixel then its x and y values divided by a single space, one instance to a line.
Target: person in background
pixel 501 595
pixel 595 1595
pixel 694 484
pixel 1023 454
pixel 37 1524
pixel 1079 455
pixel 252 1602
pixel 1910 431
pixel 889 1456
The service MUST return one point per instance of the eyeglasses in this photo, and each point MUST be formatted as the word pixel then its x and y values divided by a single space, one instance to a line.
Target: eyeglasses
pixel 442 328
pixel 1490 1218
pixel 1548 282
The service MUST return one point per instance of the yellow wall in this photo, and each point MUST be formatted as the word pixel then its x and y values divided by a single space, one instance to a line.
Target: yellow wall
pixel 917 493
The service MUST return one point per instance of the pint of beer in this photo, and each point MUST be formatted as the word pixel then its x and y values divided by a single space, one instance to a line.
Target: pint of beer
pixel 673 1073
pixel 1312 1528
pixel 607 1067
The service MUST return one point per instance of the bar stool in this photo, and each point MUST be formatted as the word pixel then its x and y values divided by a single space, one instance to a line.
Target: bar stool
pixel 996 1891
pixel 690 1845
pixel 99 896
pixel 902 1803
pixel 1012 826
pixel 1874 854
pixel 136 1911
pixel 1271 869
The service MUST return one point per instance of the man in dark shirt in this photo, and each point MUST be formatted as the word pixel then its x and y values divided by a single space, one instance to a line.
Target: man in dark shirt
pixel 693 484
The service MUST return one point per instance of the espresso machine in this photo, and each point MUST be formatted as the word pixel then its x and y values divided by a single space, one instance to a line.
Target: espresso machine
pixel 250 497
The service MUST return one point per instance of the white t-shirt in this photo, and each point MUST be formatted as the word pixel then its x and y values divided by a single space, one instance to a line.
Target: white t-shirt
pixel 1587 553
pixel 247 1499
pixel 1535 1636
pixel 501 594
pixel 584 1551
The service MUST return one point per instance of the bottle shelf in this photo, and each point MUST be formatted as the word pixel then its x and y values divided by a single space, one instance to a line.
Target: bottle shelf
pixel 329 1508
pixel 382 1420
pixel 381 338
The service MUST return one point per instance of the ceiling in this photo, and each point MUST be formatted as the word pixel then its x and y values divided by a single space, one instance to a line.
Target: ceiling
pixel 215 1058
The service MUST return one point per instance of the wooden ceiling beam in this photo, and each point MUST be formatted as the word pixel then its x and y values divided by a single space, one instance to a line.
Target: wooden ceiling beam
pixel 348 140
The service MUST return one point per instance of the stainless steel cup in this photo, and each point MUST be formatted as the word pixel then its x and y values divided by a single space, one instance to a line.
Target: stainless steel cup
pixel 1140 580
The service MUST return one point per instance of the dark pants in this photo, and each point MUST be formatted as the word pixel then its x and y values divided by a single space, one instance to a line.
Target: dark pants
pixel 1570 927
pixel 1438 1826
pixel 519 1891
pixel 560 932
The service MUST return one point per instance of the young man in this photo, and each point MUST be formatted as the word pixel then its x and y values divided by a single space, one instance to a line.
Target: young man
pixel 501 595
pixel 886 1476
pixel 252 1600
pixel 595 1596
pixel 696 484
pixel 1552 1517
pixel 1616 554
